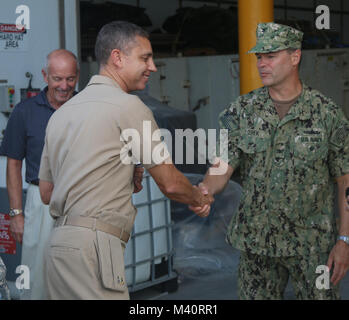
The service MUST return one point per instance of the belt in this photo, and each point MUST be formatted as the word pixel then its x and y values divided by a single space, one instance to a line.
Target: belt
pixel 94 224
pixel 35 182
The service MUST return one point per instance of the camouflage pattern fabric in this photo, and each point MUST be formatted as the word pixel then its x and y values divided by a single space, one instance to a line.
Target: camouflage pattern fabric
pixel 266 278
pixel 287 167
pixel 4 291
pixel 272 37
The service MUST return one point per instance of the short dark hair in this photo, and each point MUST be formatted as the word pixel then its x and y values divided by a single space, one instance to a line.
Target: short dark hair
pixel 116 35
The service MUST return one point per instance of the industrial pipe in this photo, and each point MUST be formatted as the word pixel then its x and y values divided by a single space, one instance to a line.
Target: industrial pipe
pixel 250 13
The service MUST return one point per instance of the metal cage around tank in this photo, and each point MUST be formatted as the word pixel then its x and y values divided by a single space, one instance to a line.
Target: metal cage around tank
pixel 149 253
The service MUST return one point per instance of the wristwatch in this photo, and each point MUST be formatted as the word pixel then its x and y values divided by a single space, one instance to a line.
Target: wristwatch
pixel 15 212
pixel 343 238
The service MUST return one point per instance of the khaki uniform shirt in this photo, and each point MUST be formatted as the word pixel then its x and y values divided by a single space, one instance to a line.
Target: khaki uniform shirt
pixel 288 168
pixel 83 150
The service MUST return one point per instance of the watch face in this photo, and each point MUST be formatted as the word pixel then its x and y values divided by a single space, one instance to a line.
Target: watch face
pixel 14 212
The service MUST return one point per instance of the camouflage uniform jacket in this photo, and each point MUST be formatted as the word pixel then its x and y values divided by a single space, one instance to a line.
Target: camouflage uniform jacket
pixel 288 168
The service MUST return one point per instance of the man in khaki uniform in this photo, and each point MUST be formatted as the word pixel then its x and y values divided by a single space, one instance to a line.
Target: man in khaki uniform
pixel 86 175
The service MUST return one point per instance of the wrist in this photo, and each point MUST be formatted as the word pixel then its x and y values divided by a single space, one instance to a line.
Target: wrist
pixel 207 186
pixel 197 197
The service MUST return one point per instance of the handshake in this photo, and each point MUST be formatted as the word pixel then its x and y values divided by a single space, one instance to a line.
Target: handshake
pixel 204 199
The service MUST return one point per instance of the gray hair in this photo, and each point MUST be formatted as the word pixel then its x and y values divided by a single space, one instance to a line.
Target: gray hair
pixel 116 35
pixel 63 50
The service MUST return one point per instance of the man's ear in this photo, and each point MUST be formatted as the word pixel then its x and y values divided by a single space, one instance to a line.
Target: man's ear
pixel 296 57
pixel 116 57
pixel 45 75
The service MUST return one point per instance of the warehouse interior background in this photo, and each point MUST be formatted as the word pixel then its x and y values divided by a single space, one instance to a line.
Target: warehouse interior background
pixel 195 46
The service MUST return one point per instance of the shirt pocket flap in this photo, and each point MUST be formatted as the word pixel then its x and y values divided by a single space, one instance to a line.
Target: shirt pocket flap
pixel 309 147
pixel 253 144
pixel 111 262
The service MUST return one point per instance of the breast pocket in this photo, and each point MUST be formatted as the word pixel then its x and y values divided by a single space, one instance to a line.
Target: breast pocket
pixel 309 148
pixel 253 143
pixel 255 149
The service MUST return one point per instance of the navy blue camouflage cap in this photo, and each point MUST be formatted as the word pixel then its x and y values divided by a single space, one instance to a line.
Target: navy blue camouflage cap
pixel 272 37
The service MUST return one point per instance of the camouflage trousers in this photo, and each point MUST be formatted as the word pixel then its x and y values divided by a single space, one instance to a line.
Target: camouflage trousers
pixel 4 291
pixel 265 278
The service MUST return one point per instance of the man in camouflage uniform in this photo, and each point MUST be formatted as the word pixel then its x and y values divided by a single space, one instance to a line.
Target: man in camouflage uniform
pixel 291 144
pixel 4 291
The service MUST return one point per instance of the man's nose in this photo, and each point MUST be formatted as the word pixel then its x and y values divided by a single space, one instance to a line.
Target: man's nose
pixel 261 62
pixel 64 85
pixel 152 66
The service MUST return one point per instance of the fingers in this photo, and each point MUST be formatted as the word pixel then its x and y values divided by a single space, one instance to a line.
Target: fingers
pixel 137 179
pixel 17 227
pixel 204 210
pixel 17 235
pixel 201 211
pixel 203 188
pixel 339 260
pixel 330 261
pixel 137 188
pixel 20 237
pixel 139 171
pixel 137 185
pixel 208 197
pixel 338 273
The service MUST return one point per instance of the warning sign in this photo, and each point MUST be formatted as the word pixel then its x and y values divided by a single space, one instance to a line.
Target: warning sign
pixel 7 242
pixel 12 38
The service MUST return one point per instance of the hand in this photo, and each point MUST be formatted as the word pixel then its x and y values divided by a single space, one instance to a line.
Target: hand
pixel 17 227
pixel 203 211
pixel 339 256
pixel 137 179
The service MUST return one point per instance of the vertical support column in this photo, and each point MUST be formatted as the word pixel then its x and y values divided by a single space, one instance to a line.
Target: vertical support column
pixel 61 17
pixel 250 13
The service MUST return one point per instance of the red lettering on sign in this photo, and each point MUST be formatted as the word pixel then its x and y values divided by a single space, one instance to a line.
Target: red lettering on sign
pixel 7 242
pixel 12 28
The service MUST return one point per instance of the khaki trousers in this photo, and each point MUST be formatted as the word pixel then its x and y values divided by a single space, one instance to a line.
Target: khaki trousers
pixel 84 264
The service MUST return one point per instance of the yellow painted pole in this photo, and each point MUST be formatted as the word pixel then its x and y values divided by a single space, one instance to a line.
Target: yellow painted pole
pixel 250 13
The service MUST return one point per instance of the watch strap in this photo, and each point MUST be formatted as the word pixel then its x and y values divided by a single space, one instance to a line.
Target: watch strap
pixel 344 238
pixel 15 212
